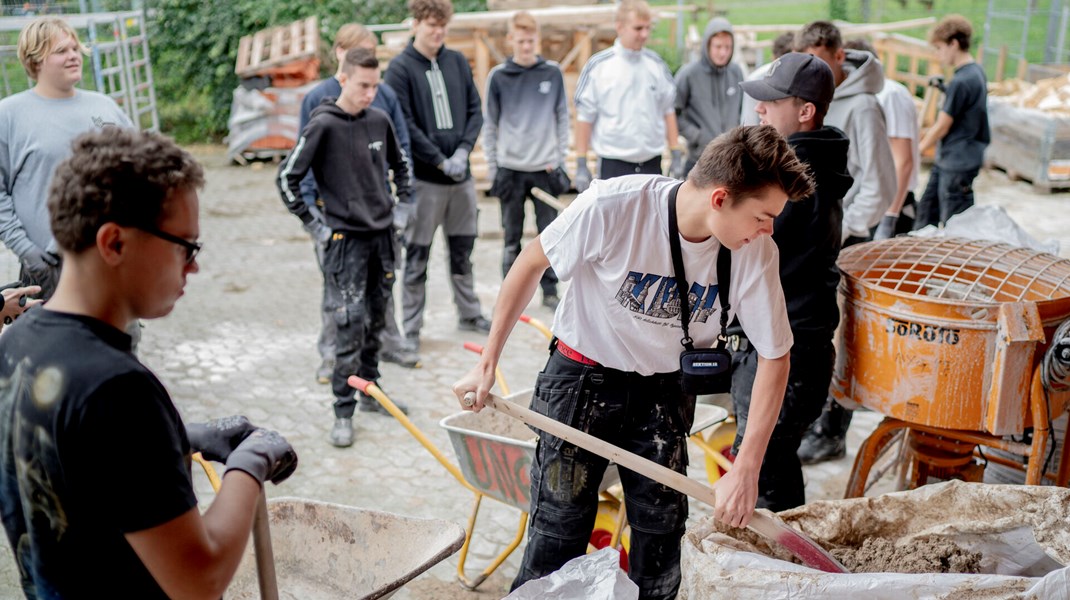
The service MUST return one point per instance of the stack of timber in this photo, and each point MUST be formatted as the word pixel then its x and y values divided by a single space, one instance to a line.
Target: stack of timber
pixel 1031 131
pixel 277 67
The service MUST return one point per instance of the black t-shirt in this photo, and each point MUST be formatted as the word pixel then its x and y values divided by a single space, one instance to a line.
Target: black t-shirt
pixel 963 148
pixel 91 448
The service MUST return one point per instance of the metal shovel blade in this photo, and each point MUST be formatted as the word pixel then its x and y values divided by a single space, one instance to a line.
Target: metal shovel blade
pixel 805 549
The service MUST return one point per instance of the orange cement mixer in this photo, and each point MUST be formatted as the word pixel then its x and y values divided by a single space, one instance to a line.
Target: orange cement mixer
pixel 946 338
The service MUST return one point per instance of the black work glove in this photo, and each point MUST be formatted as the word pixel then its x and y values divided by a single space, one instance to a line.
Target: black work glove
pixel 216 439
pixel 854 239
pixel 265 455
pixel 937 81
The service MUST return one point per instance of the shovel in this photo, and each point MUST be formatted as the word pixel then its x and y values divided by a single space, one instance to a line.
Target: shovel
pixel 805 549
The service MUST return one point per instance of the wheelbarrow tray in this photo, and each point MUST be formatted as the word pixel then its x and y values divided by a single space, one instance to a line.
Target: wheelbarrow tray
pixel 330 551
pixel 495 453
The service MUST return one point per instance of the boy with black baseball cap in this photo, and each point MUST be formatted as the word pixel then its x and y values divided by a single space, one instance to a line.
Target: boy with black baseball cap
pixel 793 97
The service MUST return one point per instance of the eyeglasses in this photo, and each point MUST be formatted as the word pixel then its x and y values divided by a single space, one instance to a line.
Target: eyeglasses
pixel 192 248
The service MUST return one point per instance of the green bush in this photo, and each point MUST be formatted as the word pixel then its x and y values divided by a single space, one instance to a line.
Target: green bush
pixel 194 45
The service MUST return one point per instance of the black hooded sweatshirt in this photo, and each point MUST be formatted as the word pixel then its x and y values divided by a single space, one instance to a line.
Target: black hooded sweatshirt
pixel 441 106
pixel 808 234
pixel 346 154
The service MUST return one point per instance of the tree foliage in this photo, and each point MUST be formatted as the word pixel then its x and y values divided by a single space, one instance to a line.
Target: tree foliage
pixel 195 46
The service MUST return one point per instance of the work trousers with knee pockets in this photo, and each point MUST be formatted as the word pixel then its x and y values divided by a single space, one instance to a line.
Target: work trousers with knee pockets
pixel 454 208
pixel 946 194
pixel 513 189
pixel 649 416
pixel 780 481
pixel 390 338
pixel 359 268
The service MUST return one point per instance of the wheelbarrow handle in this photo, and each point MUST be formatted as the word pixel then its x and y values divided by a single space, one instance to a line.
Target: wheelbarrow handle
pixel 265 557
pixel 798 544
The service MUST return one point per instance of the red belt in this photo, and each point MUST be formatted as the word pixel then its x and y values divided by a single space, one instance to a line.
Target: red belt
pixel 571 354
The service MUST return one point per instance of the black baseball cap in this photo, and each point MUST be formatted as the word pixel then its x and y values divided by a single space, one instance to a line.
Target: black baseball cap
pixel 794 75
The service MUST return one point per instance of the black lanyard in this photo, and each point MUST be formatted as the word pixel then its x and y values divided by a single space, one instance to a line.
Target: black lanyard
pixel 724 273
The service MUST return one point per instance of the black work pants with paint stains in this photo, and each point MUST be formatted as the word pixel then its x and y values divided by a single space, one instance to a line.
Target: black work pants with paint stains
pixel 359 273
pixel 649 416
pixel 780 481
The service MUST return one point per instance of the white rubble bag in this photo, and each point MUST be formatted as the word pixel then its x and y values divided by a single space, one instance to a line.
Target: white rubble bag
pixel 990 223
pixel 1021 532
pixel 594 576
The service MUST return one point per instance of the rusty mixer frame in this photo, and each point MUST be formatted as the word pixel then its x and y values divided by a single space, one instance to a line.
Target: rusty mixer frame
pixel 946 338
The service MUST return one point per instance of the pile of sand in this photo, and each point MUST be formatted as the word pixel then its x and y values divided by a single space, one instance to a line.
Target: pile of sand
pixel 881 555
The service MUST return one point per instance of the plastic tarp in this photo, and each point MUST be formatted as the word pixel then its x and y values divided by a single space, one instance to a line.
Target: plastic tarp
pixel 990 223
pixel 595 576
pixel 1022 533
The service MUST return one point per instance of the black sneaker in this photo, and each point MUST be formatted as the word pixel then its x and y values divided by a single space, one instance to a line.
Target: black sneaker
pixel 480 323
pixel 403 357
pixel 366 403
pixel 818 448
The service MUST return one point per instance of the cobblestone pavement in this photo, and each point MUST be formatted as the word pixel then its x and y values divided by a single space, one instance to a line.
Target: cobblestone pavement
pixel 242 340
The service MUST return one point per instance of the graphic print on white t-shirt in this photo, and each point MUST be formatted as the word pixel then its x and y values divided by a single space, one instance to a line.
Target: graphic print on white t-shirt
pixel 656 296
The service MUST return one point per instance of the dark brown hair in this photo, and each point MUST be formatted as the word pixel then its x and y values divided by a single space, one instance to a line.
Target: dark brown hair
pixel 822 34
pixel 116 176
pixel 746 160
pixel 953 27
pixel 783 44
pixel 359 57
pixel 440 10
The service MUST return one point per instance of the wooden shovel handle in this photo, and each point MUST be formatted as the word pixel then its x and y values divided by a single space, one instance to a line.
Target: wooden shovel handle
pixel 801 546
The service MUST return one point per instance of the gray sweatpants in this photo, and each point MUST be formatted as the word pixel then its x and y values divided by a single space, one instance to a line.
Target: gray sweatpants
pixel 453 207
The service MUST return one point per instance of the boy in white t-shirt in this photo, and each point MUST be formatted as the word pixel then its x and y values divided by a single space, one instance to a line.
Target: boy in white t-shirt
pixel 614 365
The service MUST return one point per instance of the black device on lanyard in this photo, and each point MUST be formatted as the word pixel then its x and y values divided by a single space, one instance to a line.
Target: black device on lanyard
pixel 703 370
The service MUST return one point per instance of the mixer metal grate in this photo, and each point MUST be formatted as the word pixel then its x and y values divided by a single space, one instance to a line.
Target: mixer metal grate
pixel 957 269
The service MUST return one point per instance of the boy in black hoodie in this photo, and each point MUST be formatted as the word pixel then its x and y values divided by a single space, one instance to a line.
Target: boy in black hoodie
pixel 442 109
pixel 345 144
pixel 793 97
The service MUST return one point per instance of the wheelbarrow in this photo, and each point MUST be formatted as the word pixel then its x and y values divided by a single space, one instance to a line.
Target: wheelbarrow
pixel 326 551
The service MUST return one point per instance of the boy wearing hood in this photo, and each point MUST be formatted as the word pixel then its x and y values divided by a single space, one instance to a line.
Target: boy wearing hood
pixel 525 139
pixel 856 111
pixel 708 100
pixel 442 108
pixel 793 97
pixel 345 145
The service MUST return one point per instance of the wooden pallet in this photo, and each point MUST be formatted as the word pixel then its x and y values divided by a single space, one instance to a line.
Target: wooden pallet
pixel 265 50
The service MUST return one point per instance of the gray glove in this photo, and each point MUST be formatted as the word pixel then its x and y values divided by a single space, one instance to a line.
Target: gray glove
pixel 217 438
pixel 886 228
pixel 403 212
pixel 456 166
pixel 676 165
pixel 582 180
pixel 265 455
pixel 318 230
pixel 39 261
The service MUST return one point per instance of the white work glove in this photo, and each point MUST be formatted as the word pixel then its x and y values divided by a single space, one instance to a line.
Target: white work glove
pixel 318 230
pixel 676 165
pixel 582 180
pixel 886 228
pixel 456 166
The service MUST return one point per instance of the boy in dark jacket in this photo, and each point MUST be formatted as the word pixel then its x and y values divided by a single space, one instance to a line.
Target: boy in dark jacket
pixel 442 108
pixel 345 145
pixel 793 97
pixel 708 99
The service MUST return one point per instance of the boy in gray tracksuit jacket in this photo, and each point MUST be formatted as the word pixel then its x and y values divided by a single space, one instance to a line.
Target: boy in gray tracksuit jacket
pixel 708 99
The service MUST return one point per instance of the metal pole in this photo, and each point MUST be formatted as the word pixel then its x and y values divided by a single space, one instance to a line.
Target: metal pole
pixel 1053 21
pixel 988 42
pixel 680 32
pixel 1064 22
